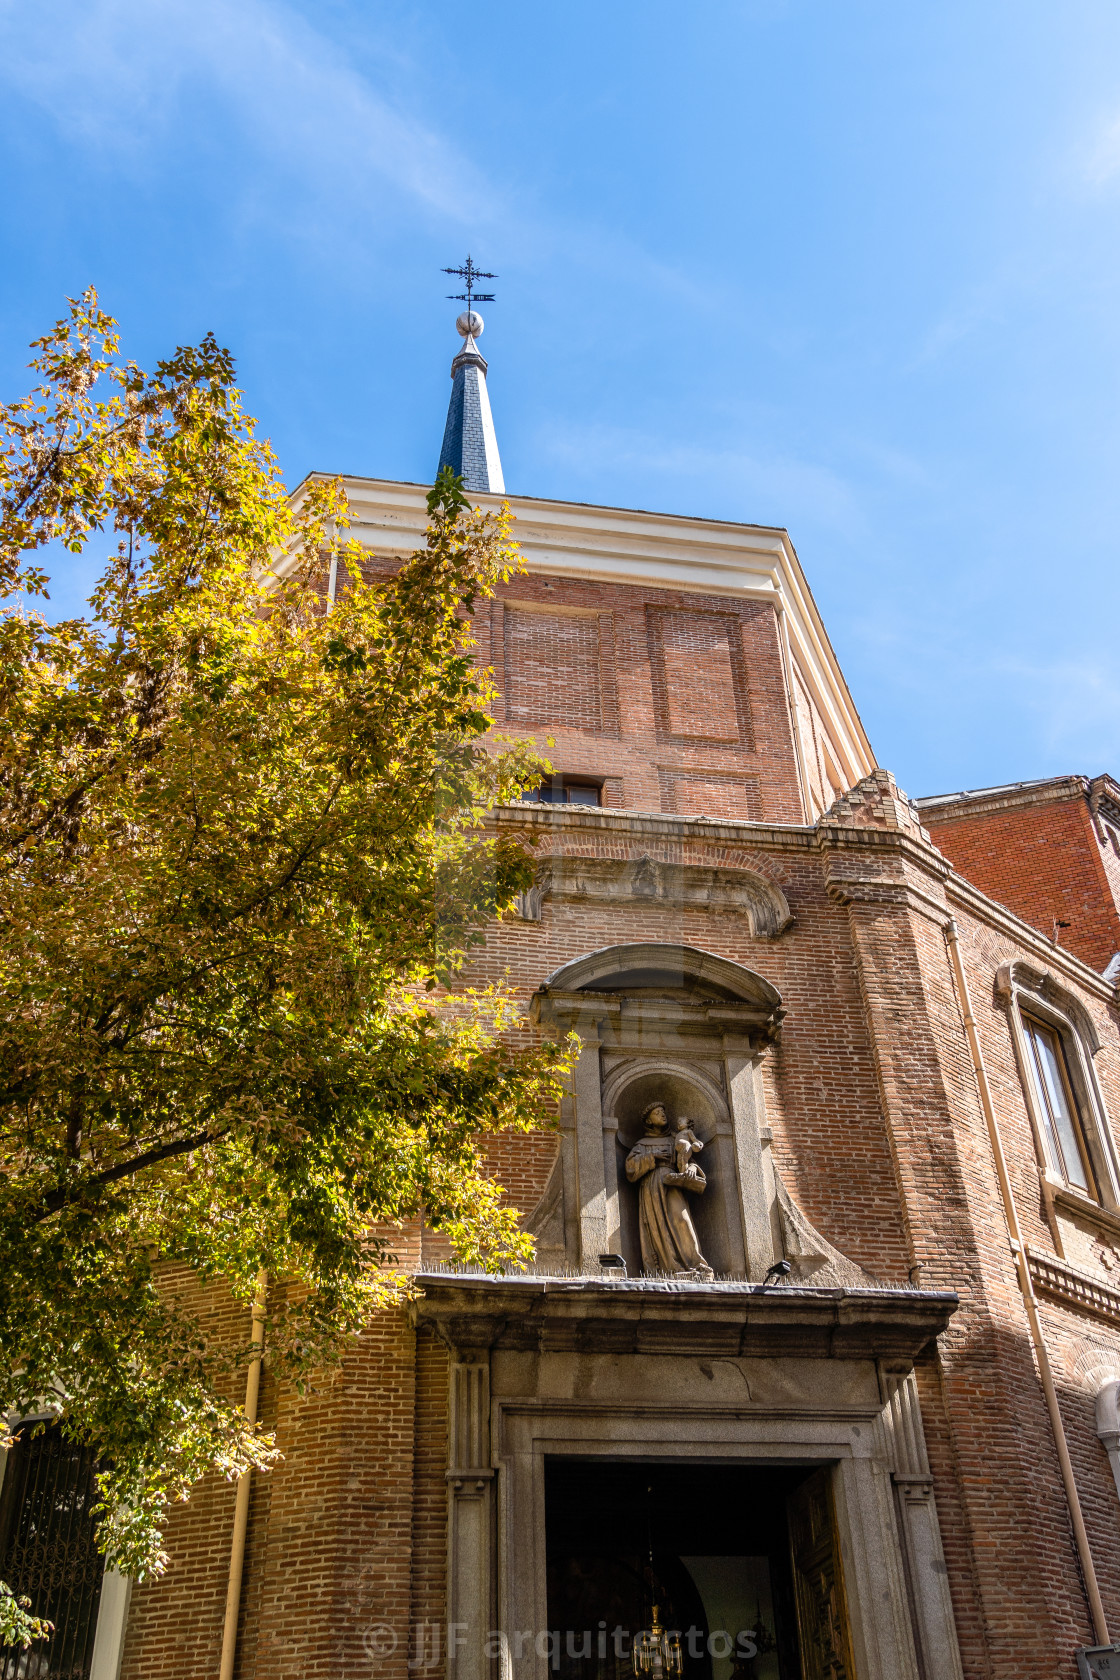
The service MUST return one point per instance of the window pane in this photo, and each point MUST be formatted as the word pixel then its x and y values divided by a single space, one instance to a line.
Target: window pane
pixel 583 795
pixel 1055 1097
pixel 1049 1136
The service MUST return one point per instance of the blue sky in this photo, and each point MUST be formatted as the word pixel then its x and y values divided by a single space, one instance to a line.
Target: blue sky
pixel 849 268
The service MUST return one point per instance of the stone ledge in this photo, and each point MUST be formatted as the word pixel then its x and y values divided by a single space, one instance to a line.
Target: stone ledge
pixel 950 807
pixel 1062 1282
pixel 723 1319
pixel 609 820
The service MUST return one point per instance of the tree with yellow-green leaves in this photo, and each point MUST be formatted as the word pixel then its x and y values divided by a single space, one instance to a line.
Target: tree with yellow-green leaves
pixel 241 863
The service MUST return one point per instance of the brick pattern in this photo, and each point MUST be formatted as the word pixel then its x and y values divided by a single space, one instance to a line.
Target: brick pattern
pixel 633 742
pixel 821 769
pixel 698 678
pixel 1066 1283
pixel 547 651
pixel 1044 861
pixel 175 1622
pixel 694 793
pixel 949 1208
pixel 429 1506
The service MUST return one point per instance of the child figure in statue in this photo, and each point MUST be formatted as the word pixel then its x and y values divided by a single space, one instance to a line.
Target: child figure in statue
pixel 685 1145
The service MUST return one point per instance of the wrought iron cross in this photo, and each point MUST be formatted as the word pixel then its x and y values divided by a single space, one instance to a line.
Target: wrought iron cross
pixel 470 274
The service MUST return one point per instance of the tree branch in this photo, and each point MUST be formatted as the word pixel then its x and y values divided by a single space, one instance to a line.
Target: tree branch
pixel 126 1169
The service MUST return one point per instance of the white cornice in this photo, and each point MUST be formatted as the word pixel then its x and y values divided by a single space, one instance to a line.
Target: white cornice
pixel 663 551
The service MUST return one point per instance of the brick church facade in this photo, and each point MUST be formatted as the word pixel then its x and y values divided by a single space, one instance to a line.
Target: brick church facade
pixel 880 1438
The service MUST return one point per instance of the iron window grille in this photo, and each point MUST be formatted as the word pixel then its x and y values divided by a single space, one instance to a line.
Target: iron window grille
pixel 48 1551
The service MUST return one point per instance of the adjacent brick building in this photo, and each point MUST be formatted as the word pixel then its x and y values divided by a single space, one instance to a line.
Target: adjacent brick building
pixel 882 1439
pixel 1049 850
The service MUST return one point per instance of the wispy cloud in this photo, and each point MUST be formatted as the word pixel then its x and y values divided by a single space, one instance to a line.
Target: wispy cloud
pixel 757 484
pixel 1100 163
pixel 1076 706
pixel 974 309
pixel 117 76
pixel 127 80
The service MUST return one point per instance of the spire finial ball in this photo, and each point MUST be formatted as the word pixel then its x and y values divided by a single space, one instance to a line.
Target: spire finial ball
pixel 469 324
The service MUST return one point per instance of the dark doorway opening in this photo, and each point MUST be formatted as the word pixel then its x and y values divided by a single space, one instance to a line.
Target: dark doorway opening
pixel 709 1544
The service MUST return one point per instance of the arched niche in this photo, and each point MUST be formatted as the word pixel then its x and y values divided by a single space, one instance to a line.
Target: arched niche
pixel 697 1091
pixel 681 1024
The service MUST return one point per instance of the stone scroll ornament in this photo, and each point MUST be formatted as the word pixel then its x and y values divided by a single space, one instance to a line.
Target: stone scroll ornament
pixel 661 1164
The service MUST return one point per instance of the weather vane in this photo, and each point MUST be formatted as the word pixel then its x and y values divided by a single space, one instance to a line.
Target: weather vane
pixel 470 274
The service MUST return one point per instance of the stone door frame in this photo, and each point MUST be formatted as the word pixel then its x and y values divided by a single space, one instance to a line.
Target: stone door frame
pixel 529 1432
pixel 676 1371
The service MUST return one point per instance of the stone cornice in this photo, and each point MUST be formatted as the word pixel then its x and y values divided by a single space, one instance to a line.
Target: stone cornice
pixel 876 890
pixel 1062 1282
pixel 837 840
pixel 950 807
pixel 715 831
pixel 712 831
pixel 615 1016
pixel 685 886
pixel 735 1320
pixel 843 838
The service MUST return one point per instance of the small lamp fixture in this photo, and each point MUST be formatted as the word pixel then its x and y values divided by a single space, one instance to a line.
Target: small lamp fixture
pixel 657 1654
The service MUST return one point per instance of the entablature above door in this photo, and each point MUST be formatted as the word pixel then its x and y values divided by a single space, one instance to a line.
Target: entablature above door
pixel 730 1320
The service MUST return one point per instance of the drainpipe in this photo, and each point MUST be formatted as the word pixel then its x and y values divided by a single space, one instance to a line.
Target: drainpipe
pixel 241 1508
pixel 1081 1538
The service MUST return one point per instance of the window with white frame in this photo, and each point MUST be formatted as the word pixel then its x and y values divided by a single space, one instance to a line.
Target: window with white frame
pixel 1062 1127
pixel 1056 1039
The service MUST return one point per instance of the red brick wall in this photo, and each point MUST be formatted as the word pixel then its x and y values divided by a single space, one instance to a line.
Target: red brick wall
pixel 1004 1508
pixel 877 1131
pixel 1044 861
pixel 879 1136
pixel 429 1507
pixel 681 696
pixel 175 1622
pixel 547 652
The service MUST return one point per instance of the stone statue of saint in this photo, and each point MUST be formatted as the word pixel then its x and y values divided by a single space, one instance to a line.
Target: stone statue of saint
pixel 661 1165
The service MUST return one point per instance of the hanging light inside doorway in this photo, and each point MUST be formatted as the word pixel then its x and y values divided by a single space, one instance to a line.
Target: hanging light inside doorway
pixel 657 1654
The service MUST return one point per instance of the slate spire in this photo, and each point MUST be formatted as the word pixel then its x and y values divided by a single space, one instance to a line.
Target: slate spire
pixel 470 447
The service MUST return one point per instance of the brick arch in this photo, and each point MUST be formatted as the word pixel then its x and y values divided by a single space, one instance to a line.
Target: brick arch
pixel 1091 1366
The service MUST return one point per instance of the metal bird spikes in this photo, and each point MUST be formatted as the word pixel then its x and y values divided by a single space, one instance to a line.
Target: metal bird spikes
pixel 470 274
